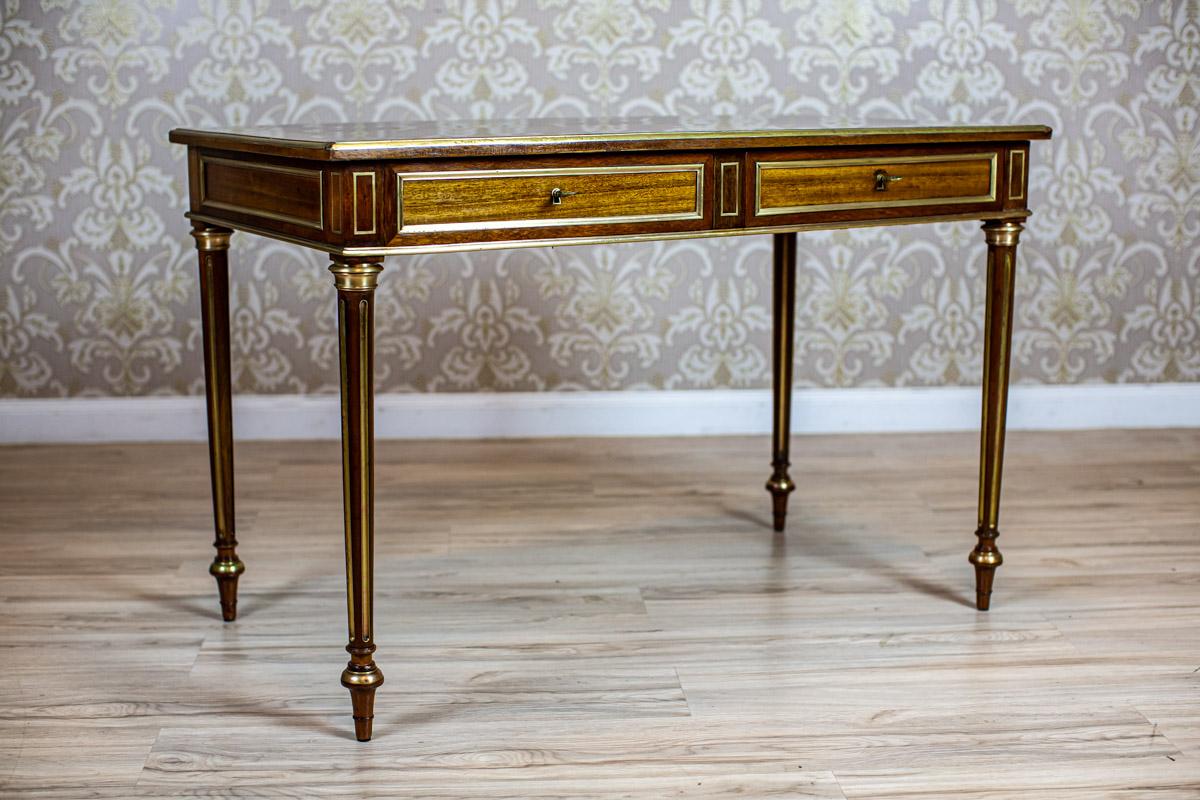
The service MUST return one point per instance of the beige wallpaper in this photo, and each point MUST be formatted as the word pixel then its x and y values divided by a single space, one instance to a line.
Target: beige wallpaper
pixel 97 273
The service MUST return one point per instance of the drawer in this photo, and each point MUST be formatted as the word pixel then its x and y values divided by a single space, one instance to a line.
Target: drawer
pixel 549 197
pixel 800 186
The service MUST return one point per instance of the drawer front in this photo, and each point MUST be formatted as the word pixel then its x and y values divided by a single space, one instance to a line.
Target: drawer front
pixel 550 197
pixel 838 184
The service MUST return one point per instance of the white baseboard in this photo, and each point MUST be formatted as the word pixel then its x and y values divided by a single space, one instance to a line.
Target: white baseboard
pixel 542 414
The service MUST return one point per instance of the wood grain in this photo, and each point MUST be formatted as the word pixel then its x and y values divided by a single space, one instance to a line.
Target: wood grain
pixel 284 193
pixel 522 197
pixel 851 182
pixel 609 619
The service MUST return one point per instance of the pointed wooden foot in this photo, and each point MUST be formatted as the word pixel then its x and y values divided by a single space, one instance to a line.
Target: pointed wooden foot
pixel 226 573
pixel 986 558
pixel 780 486
pixel 362 683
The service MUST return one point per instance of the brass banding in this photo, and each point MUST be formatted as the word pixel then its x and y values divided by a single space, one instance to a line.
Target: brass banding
pixel 567 139
pixel 347 150
pixel 1016 174
pixel 354 185
pixel 458 247
pixel 726 168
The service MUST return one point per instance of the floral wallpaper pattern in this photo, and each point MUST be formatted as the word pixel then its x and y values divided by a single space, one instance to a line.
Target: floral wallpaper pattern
pixel 97 272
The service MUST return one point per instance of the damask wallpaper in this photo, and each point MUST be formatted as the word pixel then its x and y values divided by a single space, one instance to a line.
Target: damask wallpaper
pixel 97 272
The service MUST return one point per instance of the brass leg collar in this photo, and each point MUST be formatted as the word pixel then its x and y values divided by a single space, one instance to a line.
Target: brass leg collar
pixel 1002 233
pixel 780 485
pixel 223 568
pixel 986 558
pixel 354 277
pixel 212 239
pixel 357 677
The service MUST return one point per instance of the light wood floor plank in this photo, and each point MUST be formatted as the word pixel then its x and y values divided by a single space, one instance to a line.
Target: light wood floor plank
pixel 610 619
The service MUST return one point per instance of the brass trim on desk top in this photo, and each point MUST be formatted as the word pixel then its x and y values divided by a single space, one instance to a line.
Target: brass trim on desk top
pixel 354 206
pixel 801 133
pixel 323 148
pixel 1014 174
pixel 369 252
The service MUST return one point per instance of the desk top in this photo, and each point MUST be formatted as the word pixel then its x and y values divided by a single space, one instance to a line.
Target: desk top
pixel 353 141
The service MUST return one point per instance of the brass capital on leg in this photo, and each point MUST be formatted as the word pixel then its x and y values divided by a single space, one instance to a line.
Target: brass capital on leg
pixel 212 243
pixel 356 282
pixel 780 484
pixel 1002 237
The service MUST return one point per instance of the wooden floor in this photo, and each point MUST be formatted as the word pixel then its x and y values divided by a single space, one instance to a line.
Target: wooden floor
pixel 610 619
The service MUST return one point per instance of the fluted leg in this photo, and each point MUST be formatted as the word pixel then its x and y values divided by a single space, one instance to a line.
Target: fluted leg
pixel 1002 238
pixel 213 246
pixel 780 484
pixel 356 283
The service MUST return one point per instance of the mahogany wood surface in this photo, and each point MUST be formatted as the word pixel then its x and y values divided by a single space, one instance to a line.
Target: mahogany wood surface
pixel 854 182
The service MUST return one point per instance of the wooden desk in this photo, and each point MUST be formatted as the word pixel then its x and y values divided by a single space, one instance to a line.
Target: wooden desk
pixel 364 191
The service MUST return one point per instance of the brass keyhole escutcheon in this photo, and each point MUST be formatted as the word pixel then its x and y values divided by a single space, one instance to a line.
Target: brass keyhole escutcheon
pixel 882 179
pixel 557 194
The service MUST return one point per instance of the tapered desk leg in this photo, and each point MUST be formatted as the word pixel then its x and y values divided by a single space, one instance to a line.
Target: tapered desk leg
pixel 1002 238
pixel 780 484
pixel 356 281
pixel 213 246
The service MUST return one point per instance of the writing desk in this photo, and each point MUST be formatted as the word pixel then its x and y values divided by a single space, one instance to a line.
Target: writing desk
pixel 364 191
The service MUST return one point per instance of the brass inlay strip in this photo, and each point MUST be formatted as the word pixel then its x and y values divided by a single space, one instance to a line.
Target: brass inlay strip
pixel 346 499
pixel 335 207
pixel 782 432
pixel 565 241
pixel 258 212
pixel 1016 174
pixel 760 166
pixel 359 231
pixel 365 447
pixel 737 192
pixel 697 211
